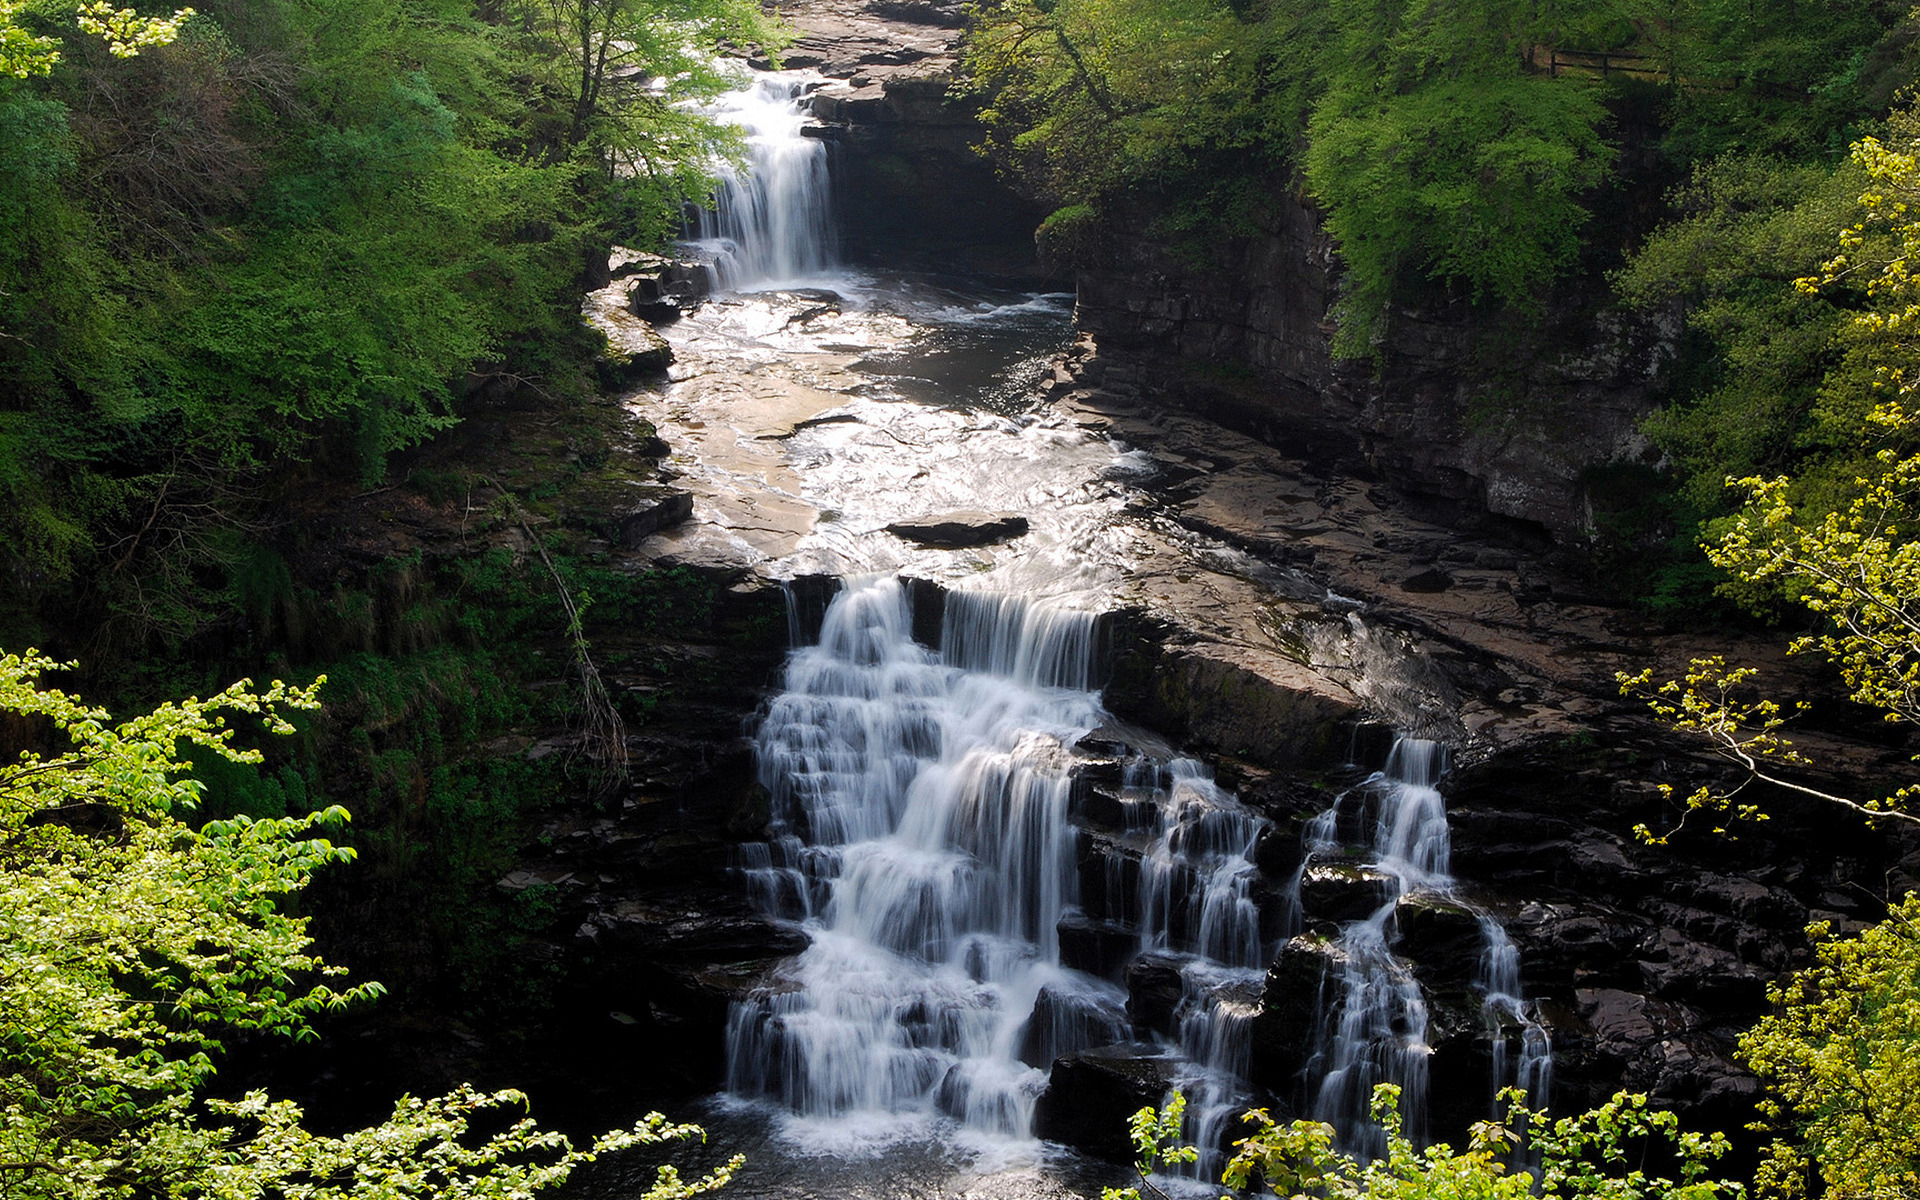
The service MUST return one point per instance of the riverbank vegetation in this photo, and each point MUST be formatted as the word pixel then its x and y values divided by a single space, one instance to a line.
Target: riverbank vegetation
pixel 135 938
pixel 251 245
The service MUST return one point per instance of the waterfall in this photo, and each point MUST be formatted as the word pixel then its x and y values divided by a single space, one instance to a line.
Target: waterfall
pixel 772 220
pixel 1374 1016
pixel 924 837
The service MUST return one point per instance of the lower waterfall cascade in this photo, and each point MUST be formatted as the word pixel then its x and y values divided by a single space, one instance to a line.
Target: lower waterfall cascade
pixel 953 828
pixel 1373 1015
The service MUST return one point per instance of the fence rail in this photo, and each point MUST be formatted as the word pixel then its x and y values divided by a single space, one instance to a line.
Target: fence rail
pixel 1604 63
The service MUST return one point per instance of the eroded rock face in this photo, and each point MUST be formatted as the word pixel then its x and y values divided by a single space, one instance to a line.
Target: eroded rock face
pixel 1574 387
pixel 907 181
pixel 1240 700
pixel 633 349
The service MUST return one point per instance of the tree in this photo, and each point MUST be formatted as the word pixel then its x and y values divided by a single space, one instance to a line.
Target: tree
pixel 1842 546
pixel 24 54
pixel 1840 1056
pixel 132 942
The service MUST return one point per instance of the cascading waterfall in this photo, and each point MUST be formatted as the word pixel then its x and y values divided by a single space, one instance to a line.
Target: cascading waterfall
pixel 1374 1016
pixel 922 835
pixel 772 221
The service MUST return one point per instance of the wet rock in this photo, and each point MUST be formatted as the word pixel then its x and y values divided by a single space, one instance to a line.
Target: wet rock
pixel 1097 947
pixel 1065 1021
pixel 960 529
pixel 1091 1095
pixel 1097 803
pixel 1428 582
pixel 1251 703
pixel 1442 939
pixel 1284 1031
pixel 651 510
pixel 633 350
pixel 1342 892
pixel 1154 990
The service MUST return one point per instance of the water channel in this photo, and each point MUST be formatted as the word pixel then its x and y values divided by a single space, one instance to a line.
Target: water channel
pixel 975 850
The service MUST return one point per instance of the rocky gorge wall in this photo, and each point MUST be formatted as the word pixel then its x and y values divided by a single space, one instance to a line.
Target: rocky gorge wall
pixel 1473 413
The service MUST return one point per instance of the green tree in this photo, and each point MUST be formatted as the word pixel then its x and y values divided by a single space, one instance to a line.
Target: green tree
pixel 1839 541
pixel 1840 1056
pixel 132 942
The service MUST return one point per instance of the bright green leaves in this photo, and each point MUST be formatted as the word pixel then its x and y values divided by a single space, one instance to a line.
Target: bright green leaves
pixel 1475 181
pixel 131 942
pixel 1094 98
pixel 25 54
pixel 1845 549
pixel 1841 1060
pixel 1598 1155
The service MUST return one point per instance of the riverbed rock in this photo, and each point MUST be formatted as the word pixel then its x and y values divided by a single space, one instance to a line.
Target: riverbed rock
pixel 961 529
pixel 1335 893
pixel 1099 948
pixel 1289 1018
pixel 1241 700
pixel 1063 1018
pixel 633 350
pixel 1154 990
pixel 1441 937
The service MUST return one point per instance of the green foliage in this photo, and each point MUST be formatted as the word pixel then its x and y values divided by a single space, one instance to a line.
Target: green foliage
pixel 1439 136
pixel 263 234
pixel 1841 1059
pixel 1475 179
pixel 1840 545
pixel 1600 1154
pixel 132 942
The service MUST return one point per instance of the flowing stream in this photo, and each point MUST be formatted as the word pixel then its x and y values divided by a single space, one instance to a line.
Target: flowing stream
pixel 977 853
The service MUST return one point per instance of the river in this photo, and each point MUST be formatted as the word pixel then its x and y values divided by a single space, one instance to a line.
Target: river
pixel 980 856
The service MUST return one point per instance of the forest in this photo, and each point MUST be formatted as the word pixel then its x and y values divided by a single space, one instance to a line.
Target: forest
pixel 259 258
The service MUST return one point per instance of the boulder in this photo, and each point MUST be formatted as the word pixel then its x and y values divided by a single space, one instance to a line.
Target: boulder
pixel 652 510
pixel 1341 892
pixel 1097 947
pixel 1064 1022
pixel 1252 703
pixel 633 350
pixel 1091 1095
pixel 960 529
pixel 1441 938
pixel 1289 1019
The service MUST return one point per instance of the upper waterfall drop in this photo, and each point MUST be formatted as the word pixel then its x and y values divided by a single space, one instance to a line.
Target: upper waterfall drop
pixel 772 223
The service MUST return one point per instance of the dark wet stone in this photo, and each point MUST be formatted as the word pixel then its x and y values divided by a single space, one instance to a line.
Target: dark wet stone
pixel 1091 1095
pixel 961 529
pixel 1284 1031
pixel 1096 947
pixel 1342 892
pixel 1154 990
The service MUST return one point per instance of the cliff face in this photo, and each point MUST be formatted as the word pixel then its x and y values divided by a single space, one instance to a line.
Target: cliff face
pixel 1483 415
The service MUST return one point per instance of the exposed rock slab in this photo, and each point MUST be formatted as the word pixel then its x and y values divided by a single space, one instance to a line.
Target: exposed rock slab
pixel 632 349
pixel 1240 700
pixel 961 529
pixel 1090 1095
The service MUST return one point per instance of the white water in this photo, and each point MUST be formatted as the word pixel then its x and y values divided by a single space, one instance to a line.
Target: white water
pixel 923 832
pixel 922 838
pixel 772 222
pixel 1374 1017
